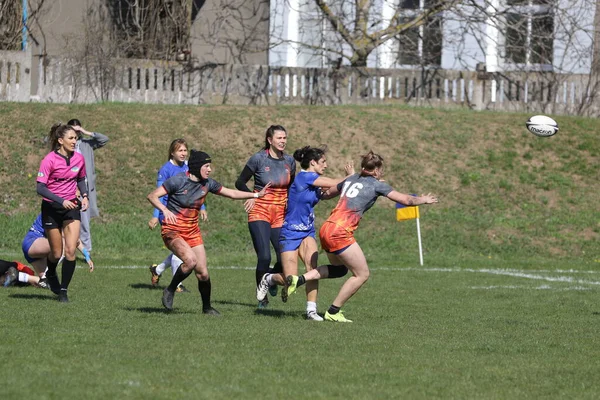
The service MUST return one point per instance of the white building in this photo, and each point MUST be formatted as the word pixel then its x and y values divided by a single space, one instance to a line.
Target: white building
pixel 502 35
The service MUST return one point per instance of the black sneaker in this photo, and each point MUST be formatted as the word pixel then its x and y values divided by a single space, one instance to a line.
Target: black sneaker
pixel 167 299
pixel 211 311
pixel 62 296
pixel 53 283
pixel 43 283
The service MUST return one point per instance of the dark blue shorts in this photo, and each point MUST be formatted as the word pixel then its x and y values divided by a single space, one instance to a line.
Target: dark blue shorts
pixel 291 240
pixel 27 242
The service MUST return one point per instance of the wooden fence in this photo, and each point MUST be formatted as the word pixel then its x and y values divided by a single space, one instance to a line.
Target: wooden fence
pixel 144 81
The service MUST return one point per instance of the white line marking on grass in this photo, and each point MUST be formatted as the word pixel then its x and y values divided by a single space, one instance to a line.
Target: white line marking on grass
pixel 146 267
pixel 566 279
pixel 509 272
pixel 542 287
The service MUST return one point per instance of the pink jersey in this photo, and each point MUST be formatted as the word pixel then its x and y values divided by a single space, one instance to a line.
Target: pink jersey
pixel 61 174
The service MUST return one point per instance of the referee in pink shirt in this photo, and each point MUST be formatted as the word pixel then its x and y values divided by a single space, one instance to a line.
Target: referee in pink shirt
pixel 61 173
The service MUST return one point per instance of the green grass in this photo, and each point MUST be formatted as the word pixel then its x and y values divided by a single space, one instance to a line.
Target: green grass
pixel 503 192
pixel 465 326
pixel 418 333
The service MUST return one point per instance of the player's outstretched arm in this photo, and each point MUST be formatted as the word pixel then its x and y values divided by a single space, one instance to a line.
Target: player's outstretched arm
pixel 409 200
pixel 239 195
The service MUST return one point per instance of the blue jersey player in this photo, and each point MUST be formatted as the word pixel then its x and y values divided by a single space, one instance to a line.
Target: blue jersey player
pixel 297 237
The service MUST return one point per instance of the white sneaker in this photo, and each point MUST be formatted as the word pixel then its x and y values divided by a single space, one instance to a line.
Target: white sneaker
pixel 263 288
pixel 313 316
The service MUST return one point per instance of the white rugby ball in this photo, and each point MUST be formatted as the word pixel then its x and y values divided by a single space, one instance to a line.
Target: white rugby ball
pixel 541 125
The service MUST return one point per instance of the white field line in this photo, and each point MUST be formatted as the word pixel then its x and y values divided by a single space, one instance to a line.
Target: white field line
pixel 542 287
pixel 537 275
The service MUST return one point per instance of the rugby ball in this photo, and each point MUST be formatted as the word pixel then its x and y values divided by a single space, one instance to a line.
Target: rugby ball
pixel 541 125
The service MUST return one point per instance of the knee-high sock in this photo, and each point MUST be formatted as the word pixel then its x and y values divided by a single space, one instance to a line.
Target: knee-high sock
pixel 68 269
pixel 51 268
pixel 175 263
pixel 204 287
pixel 178 278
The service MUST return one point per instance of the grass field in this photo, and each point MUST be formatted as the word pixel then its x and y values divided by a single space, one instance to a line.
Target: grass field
pixel 428 332
pixel 505 307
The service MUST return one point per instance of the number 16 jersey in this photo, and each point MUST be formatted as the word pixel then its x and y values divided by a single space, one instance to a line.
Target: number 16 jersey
pixel 357 195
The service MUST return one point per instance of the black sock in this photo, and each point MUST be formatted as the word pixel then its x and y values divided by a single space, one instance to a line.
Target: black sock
pixel 51 268
pixel 68 269
pixel 259 274
pixel 178 278
pixel 204 287
pixel 333 309
pixel 277 268
pixel 301 281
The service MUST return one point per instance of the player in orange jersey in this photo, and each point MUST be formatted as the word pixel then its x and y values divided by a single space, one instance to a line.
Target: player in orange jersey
pixel 180 231
pixel 265 216
pixel 358 194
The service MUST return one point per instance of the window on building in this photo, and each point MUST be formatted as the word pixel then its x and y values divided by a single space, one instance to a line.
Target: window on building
pixel 421 45
pixel 529 32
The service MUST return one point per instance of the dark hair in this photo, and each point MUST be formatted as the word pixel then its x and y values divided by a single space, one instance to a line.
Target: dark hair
pixel 307 154
pixel 74 122
pixel 369 162
pixel 270 132
pixel 175 145
pixel 57 131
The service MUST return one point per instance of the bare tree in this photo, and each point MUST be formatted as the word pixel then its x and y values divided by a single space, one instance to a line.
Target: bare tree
pixel 151 29
pixel 10 25
pixel 12 22
pixel 354 29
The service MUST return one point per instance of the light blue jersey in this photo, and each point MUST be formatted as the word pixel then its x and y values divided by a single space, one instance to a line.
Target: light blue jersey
pixel 299 219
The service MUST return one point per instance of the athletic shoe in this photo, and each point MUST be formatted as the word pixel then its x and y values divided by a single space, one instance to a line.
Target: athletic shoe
pixel 62 296
pixel 273 291
pixel 339 317
pixel 155 276
pixel 53 283
pixel 181 289
pixel 167 298
pixel 263 288
pixel 292 282
pixel 211 311
pixel 43 283
pixel 313 316
pixel 263 304
pixel 11 276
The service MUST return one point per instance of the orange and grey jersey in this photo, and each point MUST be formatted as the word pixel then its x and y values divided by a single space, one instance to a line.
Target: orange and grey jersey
pixel 279 171
pixel 357 194
pixel 186 197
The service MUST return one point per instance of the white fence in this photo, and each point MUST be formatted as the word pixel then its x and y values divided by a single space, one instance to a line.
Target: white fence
pixel 144 81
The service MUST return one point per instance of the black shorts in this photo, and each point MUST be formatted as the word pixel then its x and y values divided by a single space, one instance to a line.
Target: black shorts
pixel 54 215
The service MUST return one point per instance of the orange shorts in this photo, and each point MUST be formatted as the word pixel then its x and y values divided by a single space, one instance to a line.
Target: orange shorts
pixel 192 235
pixel 334 237
pixel 271 213
pixel 24 268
